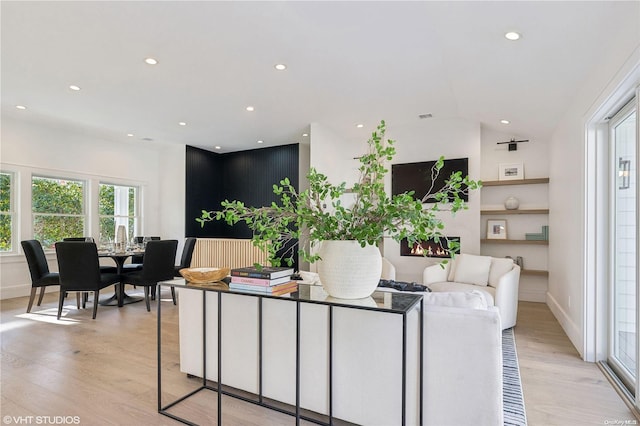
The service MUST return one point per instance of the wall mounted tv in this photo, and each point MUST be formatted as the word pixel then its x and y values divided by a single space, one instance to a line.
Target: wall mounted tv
pixel 417 177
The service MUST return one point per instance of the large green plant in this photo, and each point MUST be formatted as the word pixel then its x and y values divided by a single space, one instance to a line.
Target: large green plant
pixel 364 213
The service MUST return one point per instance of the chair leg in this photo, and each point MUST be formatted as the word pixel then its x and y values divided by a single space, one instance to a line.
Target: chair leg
pixel 78 297
pixel 60 302
pixel 96 295
pixel 85 298
pixel 153 293
pixel 146 298
pixel 31 297
pixel 173 294
pixel 41 295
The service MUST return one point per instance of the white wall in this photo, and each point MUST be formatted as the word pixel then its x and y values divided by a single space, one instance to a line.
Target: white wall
pixel 57 150
pixel 569 259
pixel 422 140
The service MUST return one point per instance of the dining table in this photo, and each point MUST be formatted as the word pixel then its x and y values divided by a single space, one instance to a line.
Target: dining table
pixel 120 297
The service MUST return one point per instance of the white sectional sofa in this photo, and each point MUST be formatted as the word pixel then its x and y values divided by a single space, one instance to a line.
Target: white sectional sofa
pixel 496 278
pixel 462 356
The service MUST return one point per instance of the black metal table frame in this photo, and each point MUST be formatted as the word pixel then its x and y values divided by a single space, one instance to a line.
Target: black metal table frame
pixel 218 388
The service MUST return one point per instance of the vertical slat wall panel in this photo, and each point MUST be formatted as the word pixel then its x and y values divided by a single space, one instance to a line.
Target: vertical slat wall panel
pixel 226 252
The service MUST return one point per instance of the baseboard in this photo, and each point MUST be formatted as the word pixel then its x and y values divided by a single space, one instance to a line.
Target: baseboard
pixel 15 291
pixel 573 332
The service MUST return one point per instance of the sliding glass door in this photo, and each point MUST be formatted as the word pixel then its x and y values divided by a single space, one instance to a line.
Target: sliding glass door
pixel 623 326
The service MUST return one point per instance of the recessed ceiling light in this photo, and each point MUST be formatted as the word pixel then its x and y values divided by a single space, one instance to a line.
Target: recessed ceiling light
pixel 305 135
pixel 360 126
pixel 505 121
pixel 151 61
pixel 130 134
pixel 280 67
pixel 218 147
pixel 21 107
pixel 260 141
pixel 182 123
pixel 74 87
pixel 512 35
pixel 250 108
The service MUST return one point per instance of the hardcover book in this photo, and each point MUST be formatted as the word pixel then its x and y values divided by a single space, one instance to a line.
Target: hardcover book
pixel 259 281
pixel 266 272
pixel 273 290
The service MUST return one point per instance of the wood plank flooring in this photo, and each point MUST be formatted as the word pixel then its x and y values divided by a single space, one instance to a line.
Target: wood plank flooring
pixel 559 388
pixel 104 371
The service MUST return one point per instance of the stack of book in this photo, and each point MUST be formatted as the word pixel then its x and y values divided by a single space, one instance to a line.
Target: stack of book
pixel 543 236
pixel 274 281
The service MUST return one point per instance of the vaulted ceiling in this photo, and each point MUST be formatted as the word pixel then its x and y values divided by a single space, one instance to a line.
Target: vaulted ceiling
pixel 348 63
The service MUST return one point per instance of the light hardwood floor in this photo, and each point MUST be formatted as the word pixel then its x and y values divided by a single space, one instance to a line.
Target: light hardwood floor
pixel 104 371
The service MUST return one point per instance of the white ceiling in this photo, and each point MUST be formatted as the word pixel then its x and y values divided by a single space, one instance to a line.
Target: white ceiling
pixel 348 63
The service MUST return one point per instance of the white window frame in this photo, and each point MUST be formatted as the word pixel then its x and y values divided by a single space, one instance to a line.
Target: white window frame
pixel 12 213
pixel 85 198
pixel 122 219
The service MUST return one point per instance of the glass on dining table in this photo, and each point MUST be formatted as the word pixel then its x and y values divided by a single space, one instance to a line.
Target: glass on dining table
pixel 145 240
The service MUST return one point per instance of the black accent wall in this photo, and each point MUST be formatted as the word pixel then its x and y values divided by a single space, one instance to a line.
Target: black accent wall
pixel 246 176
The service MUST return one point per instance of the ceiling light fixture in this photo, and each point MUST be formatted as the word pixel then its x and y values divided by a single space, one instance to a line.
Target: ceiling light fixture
pixel 218 147
pixel 304 135
pixel 360 126
pixel 505 121
pixel 74 87
pixel 512 35
pixel 130 134
pixel 182 123
pixel 151 61
pixel 260 141
pixel 250 108
pixel 280 67
pixel 21 107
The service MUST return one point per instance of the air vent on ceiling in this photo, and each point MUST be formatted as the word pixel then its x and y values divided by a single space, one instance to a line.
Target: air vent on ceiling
pixel 423 116
pixel 147 139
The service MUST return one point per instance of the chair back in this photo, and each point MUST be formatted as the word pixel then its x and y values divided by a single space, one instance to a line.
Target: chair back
pixel 159 260
pixel 78 239
pixel 37 261
pixel 187 252
pixel 78 265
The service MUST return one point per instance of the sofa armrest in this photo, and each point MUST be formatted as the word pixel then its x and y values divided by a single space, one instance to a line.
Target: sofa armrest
pixel 462 362
pixel 506 297
pixel 436 273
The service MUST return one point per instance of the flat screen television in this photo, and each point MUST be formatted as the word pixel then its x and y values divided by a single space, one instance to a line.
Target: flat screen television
pixel 417 177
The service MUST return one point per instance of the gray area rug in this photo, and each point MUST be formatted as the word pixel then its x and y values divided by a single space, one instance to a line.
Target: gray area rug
pixel 513 401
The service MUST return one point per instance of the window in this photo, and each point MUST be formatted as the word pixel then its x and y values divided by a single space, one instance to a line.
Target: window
pixel 58 207
pixel 6 212
pixel 623 354
pixel 117 205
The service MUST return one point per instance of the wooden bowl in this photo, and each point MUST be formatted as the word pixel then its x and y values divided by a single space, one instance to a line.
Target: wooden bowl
pixel 204 275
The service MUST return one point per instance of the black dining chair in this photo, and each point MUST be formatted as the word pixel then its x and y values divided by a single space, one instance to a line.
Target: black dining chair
pixel 79 270
pixel 185 261
pixel 158 265
pixel 136 260
pixel 41 277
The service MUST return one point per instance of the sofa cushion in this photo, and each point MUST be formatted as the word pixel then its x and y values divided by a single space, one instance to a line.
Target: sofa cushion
pixel 487 292
pixel 457 299
pixel 499 267
pixel 472 269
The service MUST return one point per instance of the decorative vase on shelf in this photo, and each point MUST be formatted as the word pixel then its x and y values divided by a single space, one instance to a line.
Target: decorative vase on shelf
pixel 511 203
pixel 347 270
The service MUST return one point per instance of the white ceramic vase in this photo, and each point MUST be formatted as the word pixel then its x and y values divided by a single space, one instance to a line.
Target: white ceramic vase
pixel 511 203
pixel 348 271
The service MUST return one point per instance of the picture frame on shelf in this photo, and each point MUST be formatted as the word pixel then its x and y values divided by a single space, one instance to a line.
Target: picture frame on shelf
pixel 510 171
pixel 496 229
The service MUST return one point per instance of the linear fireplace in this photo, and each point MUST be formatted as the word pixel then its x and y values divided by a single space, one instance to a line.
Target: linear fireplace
pixel 428 248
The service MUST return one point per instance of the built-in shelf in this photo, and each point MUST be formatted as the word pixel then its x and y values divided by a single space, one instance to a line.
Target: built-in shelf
pixel 534 242
pixel 534 272
pixel 517 211
pixel 515 182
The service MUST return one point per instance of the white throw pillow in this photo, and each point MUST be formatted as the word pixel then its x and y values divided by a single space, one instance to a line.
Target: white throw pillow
pixel 457 299
pixel 499 267
pixel 472 269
